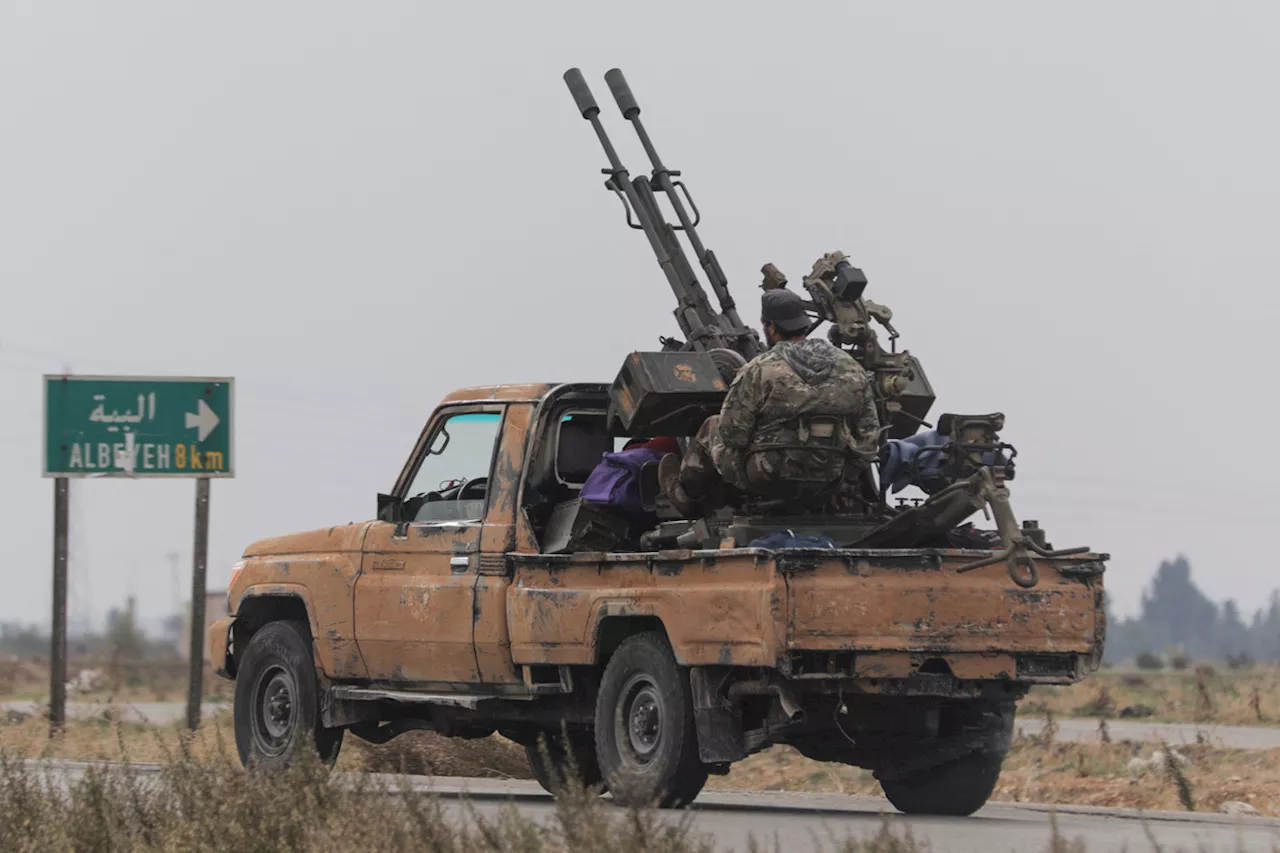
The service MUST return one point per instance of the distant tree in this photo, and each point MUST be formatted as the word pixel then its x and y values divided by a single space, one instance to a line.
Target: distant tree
pixel 1146 660
pixel 1175 614
pixel 172 626
pixel 124 635
pixel 1232 634
pixel 1241 660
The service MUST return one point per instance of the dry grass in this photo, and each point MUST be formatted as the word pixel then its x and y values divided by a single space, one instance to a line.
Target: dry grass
pixel 105 739
pixel 1241 698
pixel 1096 774
pixel 429 754
pixel 114 681
pixel 1093 774
pixel 201 800
pixel 219 808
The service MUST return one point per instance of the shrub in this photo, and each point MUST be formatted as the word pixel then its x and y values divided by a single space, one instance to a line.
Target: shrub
pixel 1149 661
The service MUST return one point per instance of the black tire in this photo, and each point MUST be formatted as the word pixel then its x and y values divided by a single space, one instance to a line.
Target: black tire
pixel 646 742
pixel 277 704
pixel 580 747
pixel 957 788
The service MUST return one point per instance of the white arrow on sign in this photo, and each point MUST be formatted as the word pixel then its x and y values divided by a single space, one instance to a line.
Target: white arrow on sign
pixel 204 419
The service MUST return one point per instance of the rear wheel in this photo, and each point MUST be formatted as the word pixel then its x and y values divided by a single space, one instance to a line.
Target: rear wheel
pixel 645 738
pixel 958 787
pixel 553 758
pixel 277 704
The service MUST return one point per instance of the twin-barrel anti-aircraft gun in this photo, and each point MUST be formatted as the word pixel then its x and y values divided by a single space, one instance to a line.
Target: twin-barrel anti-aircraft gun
pixel 960 463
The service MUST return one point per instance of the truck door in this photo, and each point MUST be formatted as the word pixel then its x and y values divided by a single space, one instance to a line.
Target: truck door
pixel 415 598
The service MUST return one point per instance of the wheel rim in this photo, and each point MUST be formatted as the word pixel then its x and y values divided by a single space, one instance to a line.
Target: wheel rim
pixel 275 710
pixel 640 718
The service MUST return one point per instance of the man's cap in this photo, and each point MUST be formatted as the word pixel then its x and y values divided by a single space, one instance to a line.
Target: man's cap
pixel 784 309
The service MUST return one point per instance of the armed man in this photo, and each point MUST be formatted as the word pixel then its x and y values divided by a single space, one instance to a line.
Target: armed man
pixel 798 422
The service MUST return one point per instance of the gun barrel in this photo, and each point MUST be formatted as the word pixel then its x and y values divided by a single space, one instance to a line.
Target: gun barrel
pixel 693 314
pixel 622 93
pixel 662 177
pixel 581 93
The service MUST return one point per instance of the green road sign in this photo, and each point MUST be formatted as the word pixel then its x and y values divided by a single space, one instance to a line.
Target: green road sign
pixel 137 426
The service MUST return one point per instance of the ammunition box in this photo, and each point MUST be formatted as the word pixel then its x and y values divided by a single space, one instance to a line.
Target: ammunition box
pixel 665 393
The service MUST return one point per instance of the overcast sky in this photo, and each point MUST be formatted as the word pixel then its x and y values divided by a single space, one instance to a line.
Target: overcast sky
pixel 355 207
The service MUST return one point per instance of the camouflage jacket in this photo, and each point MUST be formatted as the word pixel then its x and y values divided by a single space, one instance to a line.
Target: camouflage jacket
pixel 774 395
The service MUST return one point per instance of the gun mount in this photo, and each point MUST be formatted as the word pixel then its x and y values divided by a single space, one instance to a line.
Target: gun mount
pixel 962 465
pixel 903 393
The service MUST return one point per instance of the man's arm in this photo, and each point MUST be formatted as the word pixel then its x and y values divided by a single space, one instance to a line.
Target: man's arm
pixel 866 425
pixel 738 417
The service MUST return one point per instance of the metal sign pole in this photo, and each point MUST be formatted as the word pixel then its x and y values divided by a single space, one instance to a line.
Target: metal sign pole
pixel 58 644
pixel 199 565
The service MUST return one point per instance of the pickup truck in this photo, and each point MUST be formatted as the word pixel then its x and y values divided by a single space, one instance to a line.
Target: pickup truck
pixel 461 610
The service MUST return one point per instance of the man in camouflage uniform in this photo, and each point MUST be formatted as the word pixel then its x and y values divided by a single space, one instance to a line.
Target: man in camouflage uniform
pixel 799 420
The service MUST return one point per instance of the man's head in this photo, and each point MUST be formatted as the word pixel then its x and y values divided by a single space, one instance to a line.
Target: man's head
pixel 783 317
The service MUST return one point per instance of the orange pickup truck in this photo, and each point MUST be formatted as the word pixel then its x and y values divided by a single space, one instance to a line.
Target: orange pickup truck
pixel 466 609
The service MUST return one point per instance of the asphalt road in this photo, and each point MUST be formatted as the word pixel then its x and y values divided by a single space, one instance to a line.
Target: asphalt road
pixel 1076 730
pixel 733 817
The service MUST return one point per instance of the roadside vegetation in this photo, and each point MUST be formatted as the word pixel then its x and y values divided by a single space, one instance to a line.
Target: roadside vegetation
pixel 1245 696
pixel 1124 775
pixel 1039 769
pixel 202 801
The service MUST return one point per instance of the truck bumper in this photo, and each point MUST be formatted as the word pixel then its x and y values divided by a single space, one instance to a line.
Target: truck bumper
pixel 219 640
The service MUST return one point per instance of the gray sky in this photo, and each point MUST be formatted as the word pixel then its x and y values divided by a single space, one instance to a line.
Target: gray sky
pixel 353 208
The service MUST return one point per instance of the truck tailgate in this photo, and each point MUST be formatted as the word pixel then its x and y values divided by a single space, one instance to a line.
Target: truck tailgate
pixel 916 602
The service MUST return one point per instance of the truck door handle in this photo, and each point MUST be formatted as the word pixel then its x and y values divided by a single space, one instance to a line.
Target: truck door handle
pixel 457 563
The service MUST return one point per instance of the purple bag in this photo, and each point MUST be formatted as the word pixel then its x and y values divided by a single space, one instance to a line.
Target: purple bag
pixel 616 480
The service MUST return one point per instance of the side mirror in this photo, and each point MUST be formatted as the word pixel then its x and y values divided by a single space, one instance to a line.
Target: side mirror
pixel 390 509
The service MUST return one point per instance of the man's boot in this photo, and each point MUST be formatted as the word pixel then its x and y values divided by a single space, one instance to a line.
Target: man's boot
pixel 669 479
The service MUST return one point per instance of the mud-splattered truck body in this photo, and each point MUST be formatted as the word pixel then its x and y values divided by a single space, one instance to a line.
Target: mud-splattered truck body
pixel 649 669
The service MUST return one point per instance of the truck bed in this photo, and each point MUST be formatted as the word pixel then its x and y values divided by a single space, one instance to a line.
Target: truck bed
pixel 866 614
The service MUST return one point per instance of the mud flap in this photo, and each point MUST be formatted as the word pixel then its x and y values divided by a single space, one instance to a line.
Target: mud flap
pixel 717 720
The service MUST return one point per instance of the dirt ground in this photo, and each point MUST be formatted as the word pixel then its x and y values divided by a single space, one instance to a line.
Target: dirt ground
pixel 1036 771
pixel 1059 773
pixel 1246 697
pixel 104 680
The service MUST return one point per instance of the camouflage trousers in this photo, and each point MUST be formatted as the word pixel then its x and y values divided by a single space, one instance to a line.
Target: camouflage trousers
pixel 699 474
pixel 803 475
pixel 806 476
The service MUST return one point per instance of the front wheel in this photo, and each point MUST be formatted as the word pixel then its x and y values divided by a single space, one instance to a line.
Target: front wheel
pixel 646 742
pixel 277 704
pixel 957 788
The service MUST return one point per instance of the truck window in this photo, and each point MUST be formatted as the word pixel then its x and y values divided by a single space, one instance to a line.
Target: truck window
pixel 452 478
pixel 582 440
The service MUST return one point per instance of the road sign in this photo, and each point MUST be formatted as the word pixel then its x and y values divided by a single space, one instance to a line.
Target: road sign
pixel 137 426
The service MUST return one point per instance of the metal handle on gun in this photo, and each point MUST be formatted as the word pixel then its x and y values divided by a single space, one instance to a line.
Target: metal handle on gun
pixel 609 185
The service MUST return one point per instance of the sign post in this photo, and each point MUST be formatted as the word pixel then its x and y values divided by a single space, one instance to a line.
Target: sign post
pixel 135 427
pixel 199 569
pixel 58 635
